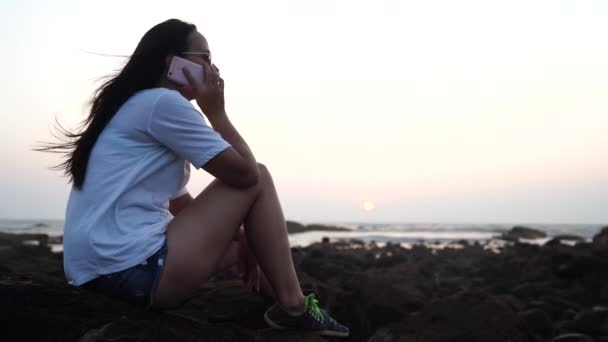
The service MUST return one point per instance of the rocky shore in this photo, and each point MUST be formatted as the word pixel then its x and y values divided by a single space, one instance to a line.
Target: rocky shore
pixel 555 292
pixel 295 227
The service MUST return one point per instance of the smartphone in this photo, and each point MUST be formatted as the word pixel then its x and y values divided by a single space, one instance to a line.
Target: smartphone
pixel 176 73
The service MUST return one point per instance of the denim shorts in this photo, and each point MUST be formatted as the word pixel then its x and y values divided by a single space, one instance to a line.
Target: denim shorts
pixel 136 285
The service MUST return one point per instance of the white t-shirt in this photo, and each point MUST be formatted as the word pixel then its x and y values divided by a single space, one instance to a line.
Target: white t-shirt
pixel 140 161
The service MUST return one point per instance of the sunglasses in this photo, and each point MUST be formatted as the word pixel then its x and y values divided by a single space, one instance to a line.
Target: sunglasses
pixel 205 55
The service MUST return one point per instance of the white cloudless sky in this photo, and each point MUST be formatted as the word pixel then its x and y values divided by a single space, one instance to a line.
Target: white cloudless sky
pixel 436 111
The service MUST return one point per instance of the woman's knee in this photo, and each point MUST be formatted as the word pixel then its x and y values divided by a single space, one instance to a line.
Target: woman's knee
pixel 264 177
pixel 263 180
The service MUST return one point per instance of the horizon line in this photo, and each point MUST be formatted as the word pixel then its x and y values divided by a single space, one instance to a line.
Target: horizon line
pixel 348 222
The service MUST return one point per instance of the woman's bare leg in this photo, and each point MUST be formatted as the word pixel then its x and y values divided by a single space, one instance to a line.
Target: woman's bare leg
pixel 265 226
pixel 231 258
pixel 199 236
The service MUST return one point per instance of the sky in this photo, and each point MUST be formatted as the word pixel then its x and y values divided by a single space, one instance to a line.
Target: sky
pixel 433 111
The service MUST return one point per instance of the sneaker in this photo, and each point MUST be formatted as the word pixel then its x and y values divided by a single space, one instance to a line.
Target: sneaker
pixel 313 319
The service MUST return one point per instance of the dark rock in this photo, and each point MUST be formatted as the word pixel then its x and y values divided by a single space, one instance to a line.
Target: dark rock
pixel 378 292
pixel 295 227
pixel 601 239
pixel 8 239
pixel 341 243
pixel 382 294
pixel 511 301
pixel 560 239
pixel 537 322
pixel 55 240
pixel 326 228
pixel 521 232
pixel 568 315
pixel 357 242
pixel 580 266
pixel 590 322
pixel 387 334
pixel 525 290
pixel 466 316
pixel 572 338
pixel 556 305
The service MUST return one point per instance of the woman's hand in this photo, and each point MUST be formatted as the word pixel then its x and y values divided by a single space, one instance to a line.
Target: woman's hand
pixel 248 264
pixel 209 94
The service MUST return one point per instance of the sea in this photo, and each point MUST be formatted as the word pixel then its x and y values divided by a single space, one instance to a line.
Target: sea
pixel 439 234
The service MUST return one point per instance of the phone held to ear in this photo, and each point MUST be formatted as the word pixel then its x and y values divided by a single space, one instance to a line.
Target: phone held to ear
pixel 176 73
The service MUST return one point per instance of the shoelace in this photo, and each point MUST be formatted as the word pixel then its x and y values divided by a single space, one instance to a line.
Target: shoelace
pixel 311 305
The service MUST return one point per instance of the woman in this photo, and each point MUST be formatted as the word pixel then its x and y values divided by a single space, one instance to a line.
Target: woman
pixel 133 231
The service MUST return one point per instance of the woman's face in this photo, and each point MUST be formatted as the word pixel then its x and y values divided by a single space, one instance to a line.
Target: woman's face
pixel 197 52
pixel 198 49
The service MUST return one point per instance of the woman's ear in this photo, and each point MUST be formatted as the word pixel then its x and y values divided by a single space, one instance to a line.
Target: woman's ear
pixel 168 60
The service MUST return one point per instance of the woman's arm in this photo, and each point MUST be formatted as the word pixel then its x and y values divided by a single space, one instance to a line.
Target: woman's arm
pixel 236 166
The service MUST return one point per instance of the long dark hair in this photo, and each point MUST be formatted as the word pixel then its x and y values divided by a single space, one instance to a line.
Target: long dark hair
pixel 142 70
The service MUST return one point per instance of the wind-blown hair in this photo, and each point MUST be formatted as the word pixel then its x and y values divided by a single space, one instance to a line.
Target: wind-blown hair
pixel 143 70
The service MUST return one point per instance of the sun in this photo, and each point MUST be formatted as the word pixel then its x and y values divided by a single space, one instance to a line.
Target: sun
pixel 368 205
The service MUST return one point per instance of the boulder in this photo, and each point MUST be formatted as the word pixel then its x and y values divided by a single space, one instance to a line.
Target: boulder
pixel 386 334
pixel 593 322
pixel 564 239
pixel 572 338
pixel 295 227
pixel 16 239
pixel 326 228
pixel 537 322
pixel 601 239
pixel 465 316
pixel 521 232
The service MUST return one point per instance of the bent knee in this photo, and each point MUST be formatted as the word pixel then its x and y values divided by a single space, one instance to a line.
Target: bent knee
pixel 263 174
pixel 262 168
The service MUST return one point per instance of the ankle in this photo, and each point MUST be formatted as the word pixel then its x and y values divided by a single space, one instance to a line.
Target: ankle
pixel 293 305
